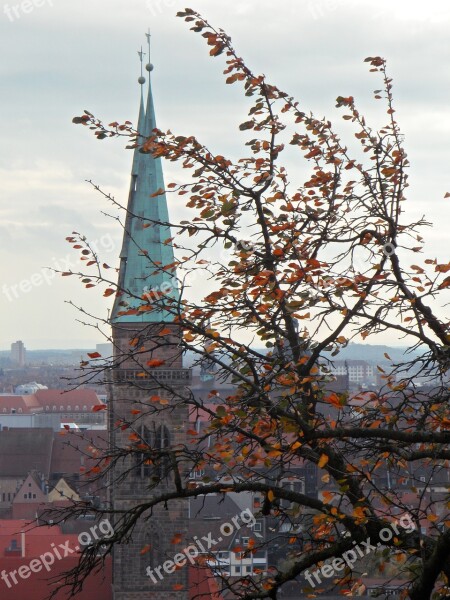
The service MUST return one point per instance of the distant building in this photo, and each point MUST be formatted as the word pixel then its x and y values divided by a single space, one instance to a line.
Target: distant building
pixel 358 371
pixel 29 388
pixel 50 408
pixel 18 352
pixel 106 349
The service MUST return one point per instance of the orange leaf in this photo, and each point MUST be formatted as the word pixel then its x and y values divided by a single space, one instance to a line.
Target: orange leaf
pixel 323 461
pixel 177 539
pixel 270 496
pixel 165 331
pixel 177 587
pixel 108 292
pixel 155 362
pixel 98 407
pixel 145 549
pixel 94 355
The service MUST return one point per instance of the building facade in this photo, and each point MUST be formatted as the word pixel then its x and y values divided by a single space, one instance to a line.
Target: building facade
pixel 154 396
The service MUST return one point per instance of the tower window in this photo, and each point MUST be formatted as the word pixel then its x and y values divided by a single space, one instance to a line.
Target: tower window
pixel 144 468
pixel 163 442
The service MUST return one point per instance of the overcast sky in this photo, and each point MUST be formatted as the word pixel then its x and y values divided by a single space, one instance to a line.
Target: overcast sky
pixel 60 57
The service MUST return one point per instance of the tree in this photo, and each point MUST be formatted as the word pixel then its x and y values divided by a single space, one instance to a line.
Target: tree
pixel 310 268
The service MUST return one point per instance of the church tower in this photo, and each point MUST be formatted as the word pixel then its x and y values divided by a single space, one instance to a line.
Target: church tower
pixel 148 384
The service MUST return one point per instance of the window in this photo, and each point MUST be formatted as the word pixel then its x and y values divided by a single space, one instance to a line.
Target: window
pixel 69 408
pixel 19 410
pixel 47 408
pixel 197 473
pixel 84 408
pixel 257 526
pixel 77 408
pixel 245 541
pixel 144 466
pixel 162 442
pixel 237 570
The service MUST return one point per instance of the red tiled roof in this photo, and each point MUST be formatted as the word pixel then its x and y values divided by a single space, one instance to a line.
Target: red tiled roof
pixel 202 584
pixel 37 539
pixel 73 398
pixel 23 404
pixel 39 585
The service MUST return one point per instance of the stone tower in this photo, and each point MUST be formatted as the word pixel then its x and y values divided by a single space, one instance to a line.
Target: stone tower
pixel 134 386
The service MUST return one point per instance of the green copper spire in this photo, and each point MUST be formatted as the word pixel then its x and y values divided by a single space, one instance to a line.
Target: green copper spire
pixel 144 252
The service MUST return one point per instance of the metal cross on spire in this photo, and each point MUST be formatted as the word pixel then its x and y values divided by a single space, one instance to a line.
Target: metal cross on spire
pixel 141 57
pixel 149 65
pixel 141 54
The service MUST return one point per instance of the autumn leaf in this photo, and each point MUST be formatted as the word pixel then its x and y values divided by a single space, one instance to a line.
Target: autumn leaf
pixel 94 355
pixel 442 268
pixel 145 549
pixel 323 461
pixel 155 362
pixel 177 539
pixel 99 407
pixel 165 331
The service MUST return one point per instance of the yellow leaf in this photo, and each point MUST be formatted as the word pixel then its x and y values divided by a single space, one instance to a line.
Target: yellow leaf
pixel 270 496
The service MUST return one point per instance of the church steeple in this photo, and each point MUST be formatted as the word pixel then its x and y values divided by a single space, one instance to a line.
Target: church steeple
pixel 145 250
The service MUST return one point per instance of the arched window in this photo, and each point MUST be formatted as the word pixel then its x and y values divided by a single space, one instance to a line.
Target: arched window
pixel 77 408
pixel 162 443
pixel 151 537
pixel 19 410
pixel 144 468
pixel 61 408
pixel 69 408
pixel 47 408
pixel 84 408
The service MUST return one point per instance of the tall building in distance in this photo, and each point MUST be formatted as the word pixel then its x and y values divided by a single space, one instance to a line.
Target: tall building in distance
pixel 160 425
pixel 18 353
